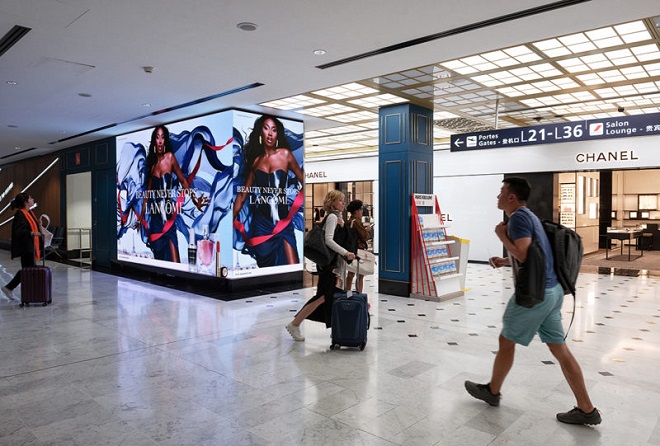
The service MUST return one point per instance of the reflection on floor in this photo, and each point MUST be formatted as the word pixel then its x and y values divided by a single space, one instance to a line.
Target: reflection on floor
pixel 119 362
pixel 646 261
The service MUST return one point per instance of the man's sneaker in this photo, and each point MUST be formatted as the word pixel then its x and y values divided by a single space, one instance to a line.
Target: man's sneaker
pixel 578 416
pixel 482 392
pixel 295 332
pixel 7 292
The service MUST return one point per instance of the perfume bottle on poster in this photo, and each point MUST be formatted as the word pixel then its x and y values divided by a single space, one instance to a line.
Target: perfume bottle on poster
pixel 192 252
pixel 205 253
pixel 218 263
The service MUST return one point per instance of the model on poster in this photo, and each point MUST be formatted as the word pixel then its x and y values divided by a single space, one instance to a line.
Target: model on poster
pixel 162 199
pixel 268 195
pixel 174 192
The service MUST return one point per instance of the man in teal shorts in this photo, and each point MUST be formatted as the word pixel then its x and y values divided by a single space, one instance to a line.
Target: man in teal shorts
pixel 520 324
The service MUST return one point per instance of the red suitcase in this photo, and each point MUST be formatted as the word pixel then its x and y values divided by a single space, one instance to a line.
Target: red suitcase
pixel 36 282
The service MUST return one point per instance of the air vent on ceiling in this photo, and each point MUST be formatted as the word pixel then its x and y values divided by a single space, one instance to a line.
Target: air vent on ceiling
pixel 462 125
pixel 12 37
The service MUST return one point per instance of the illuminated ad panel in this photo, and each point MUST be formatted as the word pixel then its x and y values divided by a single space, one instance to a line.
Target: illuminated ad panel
pixel 210 193
pixel 268 188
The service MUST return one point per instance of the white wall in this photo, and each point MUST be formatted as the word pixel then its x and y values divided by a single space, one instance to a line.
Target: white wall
pixel 350 169
pixel 467 183
pixel 470 201
pixel 470 205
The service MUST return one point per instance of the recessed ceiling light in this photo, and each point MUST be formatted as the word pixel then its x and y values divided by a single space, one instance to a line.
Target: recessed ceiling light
pixel 319 52
pixel 84 95
pixel 146 104
pixel 62 131
pixel 247 26
pixel 12 83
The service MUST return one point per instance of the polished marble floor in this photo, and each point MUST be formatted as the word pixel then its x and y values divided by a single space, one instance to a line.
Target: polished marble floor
pixel 119 362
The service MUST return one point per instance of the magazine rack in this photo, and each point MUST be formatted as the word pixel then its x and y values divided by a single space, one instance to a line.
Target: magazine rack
pixel 436 258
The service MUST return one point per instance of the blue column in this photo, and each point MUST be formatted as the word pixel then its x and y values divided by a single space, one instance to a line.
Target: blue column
pixel 405 150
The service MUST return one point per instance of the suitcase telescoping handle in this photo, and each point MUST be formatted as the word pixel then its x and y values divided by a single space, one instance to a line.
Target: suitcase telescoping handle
pixel 357 273
pixel 43 254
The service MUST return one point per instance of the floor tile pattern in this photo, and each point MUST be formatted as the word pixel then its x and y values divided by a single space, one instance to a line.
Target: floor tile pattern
pixel 118 362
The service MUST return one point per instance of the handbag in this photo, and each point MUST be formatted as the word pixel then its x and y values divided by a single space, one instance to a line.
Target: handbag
pixel 48 236
pixel 367 261
pixel 315 249
pixel 346 237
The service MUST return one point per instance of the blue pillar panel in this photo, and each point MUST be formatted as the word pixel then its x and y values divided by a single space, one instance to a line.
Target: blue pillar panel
pixel 393 129
pixel 397 222
pixel 405 167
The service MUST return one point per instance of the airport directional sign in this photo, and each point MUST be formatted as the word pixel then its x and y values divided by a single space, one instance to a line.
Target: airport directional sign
pixel 618 127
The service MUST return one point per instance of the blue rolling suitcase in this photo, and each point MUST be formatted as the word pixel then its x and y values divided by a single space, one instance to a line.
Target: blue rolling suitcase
pixel 350 320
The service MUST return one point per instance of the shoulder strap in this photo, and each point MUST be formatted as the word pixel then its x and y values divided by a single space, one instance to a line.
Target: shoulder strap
pixel 572 317
pixel 528 213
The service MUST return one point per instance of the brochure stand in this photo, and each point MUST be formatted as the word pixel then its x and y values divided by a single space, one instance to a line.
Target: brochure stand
pixel 437 260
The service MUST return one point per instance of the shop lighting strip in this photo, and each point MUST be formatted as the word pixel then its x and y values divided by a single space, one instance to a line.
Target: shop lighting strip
pixel 26 187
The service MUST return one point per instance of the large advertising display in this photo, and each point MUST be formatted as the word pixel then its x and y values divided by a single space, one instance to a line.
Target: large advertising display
pixel 214 195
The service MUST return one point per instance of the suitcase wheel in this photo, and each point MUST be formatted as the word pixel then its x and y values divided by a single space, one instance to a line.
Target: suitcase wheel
pixel 362 346
pixel 335 346
pixel 44 304
pixel 22 305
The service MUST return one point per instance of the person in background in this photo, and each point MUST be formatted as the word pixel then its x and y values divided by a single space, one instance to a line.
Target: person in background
pixel 26 239
pixel 319 307
pixel 520 324
pixel 363 235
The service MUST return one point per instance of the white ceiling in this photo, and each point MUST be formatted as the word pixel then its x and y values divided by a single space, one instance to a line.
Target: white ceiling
pixel 99 48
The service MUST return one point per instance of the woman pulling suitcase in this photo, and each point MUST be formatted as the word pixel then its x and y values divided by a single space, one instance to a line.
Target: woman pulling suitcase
pixel 319 307
pixel 26 238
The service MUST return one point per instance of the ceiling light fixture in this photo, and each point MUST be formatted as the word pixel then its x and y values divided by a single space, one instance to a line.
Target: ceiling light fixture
pixel 319 52
pixel 247 26
pixel 12 83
